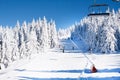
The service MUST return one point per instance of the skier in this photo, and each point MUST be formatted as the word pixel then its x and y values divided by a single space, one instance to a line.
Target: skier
pixel 73 48
pixel 63 49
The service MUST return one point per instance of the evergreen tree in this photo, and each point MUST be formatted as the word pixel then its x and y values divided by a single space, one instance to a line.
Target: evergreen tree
pixel 44 34
pixel 23 41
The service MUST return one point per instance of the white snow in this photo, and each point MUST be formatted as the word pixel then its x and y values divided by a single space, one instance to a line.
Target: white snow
pixel 55 65
pixel 25 53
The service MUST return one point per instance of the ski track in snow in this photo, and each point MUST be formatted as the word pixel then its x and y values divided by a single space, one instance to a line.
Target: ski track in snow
pixel 55 65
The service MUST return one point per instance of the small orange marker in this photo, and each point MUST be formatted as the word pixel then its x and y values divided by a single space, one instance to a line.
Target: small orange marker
pixel 93 69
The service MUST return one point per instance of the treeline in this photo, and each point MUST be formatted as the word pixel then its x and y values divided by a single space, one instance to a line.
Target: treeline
pixel 24 40
pixel 100 33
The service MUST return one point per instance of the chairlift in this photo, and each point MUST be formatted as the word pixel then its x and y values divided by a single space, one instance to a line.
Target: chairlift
pixel 116 0
pixel 98 10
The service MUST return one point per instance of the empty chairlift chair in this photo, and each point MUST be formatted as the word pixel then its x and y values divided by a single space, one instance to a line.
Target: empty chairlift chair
pixel 98 10
pixel 116 0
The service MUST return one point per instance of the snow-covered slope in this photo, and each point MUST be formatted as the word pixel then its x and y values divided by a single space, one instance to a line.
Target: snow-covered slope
pixel 74 46
pixel 25 53
pixel 55 65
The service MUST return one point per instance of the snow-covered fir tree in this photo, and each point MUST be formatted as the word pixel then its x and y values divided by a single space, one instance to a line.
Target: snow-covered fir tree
pixel 100 33
pixel 25 40
pixel 52 34
pixel 106 40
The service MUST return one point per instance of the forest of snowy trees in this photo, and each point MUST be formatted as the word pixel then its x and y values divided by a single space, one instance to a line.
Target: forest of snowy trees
pixel 24 40
pixel 100 33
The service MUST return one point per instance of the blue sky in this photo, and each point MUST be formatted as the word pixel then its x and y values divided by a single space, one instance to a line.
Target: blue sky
pixel 64 12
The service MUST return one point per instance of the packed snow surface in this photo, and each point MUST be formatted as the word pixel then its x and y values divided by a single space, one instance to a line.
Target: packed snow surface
pixel 64 66
pixel 56 65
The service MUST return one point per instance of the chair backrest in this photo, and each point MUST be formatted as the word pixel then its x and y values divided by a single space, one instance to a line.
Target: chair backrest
pixel 98 10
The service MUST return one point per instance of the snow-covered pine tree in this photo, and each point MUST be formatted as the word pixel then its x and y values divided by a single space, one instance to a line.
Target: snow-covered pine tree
pixel 44 34
pixel 106 40
pixel 7 47
pixel 1 46
pixel 52 34
pixel 24 38
pixel 15 50
pixel 31 44
pixel 89 29
pixel 23 41
pixel 38 33
pixel 117 28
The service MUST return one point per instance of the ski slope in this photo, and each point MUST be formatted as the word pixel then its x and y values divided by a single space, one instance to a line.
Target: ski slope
pixel 56 65
pixel 68 44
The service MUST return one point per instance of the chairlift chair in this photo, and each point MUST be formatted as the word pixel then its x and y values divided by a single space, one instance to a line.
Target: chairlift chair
pixel 116 0
pixel 97 10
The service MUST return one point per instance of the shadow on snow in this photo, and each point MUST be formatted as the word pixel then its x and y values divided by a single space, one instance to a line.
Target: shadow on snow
pixel 88 78
pixel 87 71
pixel 117 70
